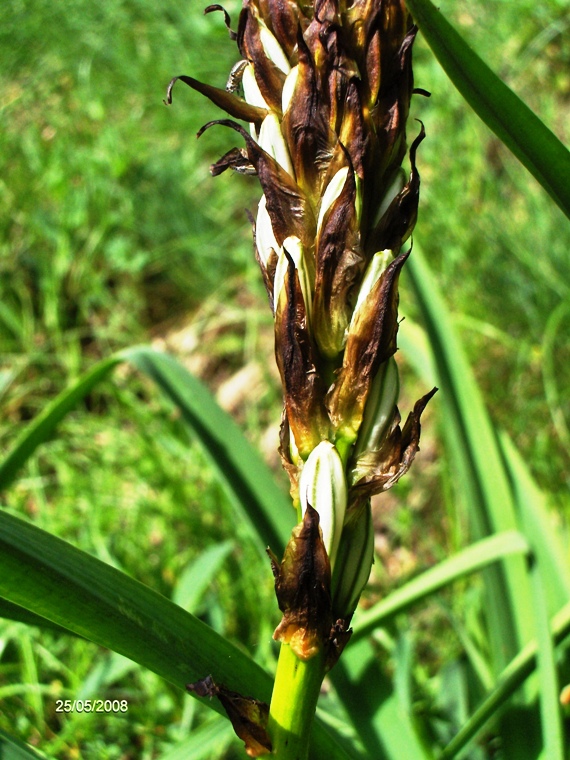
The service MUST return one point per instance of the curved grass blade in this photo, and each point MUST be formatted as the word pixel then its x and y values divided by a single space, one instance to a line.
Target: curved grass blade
pixel 536 147
pixel 479 467
pixel 78 592
pixel 43 426
pixel 544 540
pixel 508 682
pixel 10 611
pixel 210 740
pixel 13 749
pixel 246 478
pixel 469 560
pixel 367 693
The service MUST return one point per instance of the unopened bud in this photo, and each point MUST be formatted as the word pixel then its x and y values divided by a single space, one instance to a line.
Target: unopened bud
pixel 264 235
pixel 332 192
pixel 272 142
pixel 289 88
pixel 355 560
pixel 293 247
pixel 273 49
pixel 378 265
pixel 251 90
pixel 323 486
pixel 379 409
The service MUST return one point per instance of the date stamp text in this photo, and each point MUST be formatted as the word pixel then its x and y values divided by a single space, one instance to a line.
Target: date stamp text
pixel 91 705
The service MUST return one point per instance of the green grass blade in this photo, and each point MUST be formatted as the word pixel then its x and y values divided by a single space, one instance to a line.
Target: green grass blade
pixel 43 426
pixel 508 682
pixel 469 560
pixel 198 575
pixel 384 728
pixel 245 476
pixel 549 690
pixel 537 526
pixel 11 611
pixel 61 583
pixel 209 740
pixel 13 749
pixel 479 467
pixel 536 147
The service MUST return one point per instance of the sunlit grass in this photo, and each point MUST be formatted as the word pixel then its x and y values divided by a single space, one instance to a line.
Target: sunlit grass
pixel 112 233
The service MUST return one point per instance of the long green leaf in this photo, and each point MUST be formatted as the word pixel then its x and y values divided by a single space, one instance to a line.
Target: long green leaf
pixel 241 470
pixel 44 425
pixel 383 726
pixel 209 740
pixel 59 582
pixel 469 560
pixel 12 611
pixel 13 749
pixel 508 682
pixel 536 147
pixel 538 526
pixel 479 467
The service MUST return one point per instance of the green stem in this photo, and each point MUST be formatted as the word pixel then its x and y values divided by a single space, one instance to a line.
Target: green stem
pixel 293 703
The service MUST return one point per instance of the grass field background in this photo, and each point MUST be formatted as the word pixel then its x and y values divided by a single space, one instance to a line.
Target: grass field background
pixel 112 233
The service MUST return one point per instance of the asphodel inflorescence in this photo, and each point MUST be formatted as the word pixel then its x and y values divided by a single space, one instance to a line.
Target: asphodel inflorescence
pixel 326 89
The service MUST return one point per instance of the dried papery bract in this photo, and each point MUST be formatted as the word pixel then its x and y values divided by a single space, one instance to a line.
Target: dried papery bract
pixel 326 88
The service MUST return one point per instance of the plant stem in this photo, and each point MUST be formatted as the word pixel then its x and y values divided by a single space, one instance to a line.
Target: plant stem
pixel 293 703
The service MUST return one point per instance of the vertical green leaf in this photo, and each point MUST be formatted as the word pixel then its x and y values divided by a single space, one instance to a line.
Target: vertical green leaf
pixel 536 147
pixel 480 472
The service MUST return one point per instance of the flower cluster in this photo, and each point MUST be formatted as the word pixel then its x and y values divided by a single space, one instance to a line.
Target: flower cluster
pixel 326 90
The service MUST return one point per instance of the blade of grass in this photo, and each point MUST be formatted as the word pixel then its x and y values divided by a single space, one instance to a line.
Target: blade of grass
pixel 480 470
pixel 550 713
pixel 59 582
pixel 368 696
pixel 11 611
pixel 536 147
pixel 44 425
pixel 537 524
pixel 508 682
pixel 207 741
pixel 469 560
pixel 197 576
pixel 246 478
pixel 13 749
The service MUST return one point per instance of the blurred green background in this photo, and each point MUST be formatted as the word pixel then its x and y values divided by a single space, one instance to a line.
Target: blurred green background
pixel 113 233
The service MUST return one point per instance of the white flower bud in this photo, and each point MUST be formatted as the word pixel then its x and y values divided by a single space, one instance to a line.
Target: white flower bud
pixel 323 486
pixel 251 91
pixel 378 265
pixel 295 250
pixel 289 88
pixel 354 562
pixel 273 49
pixel 379 409
pixel 333 190
pixel 264 236
pixel 272 141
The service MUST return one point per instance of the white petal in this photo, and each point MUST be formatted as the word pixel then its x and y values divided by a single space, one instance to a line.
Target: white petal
pixel 333 190
pixel 251 91
pixel 264 236
pixel 272 141
pixel 323 486
pixel 273 49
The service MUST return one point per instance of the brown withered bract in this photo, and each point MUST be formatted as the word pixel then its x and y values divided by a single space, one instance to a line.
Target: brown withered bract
pixel 327 86
pixel 302 586
pixel 248 716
